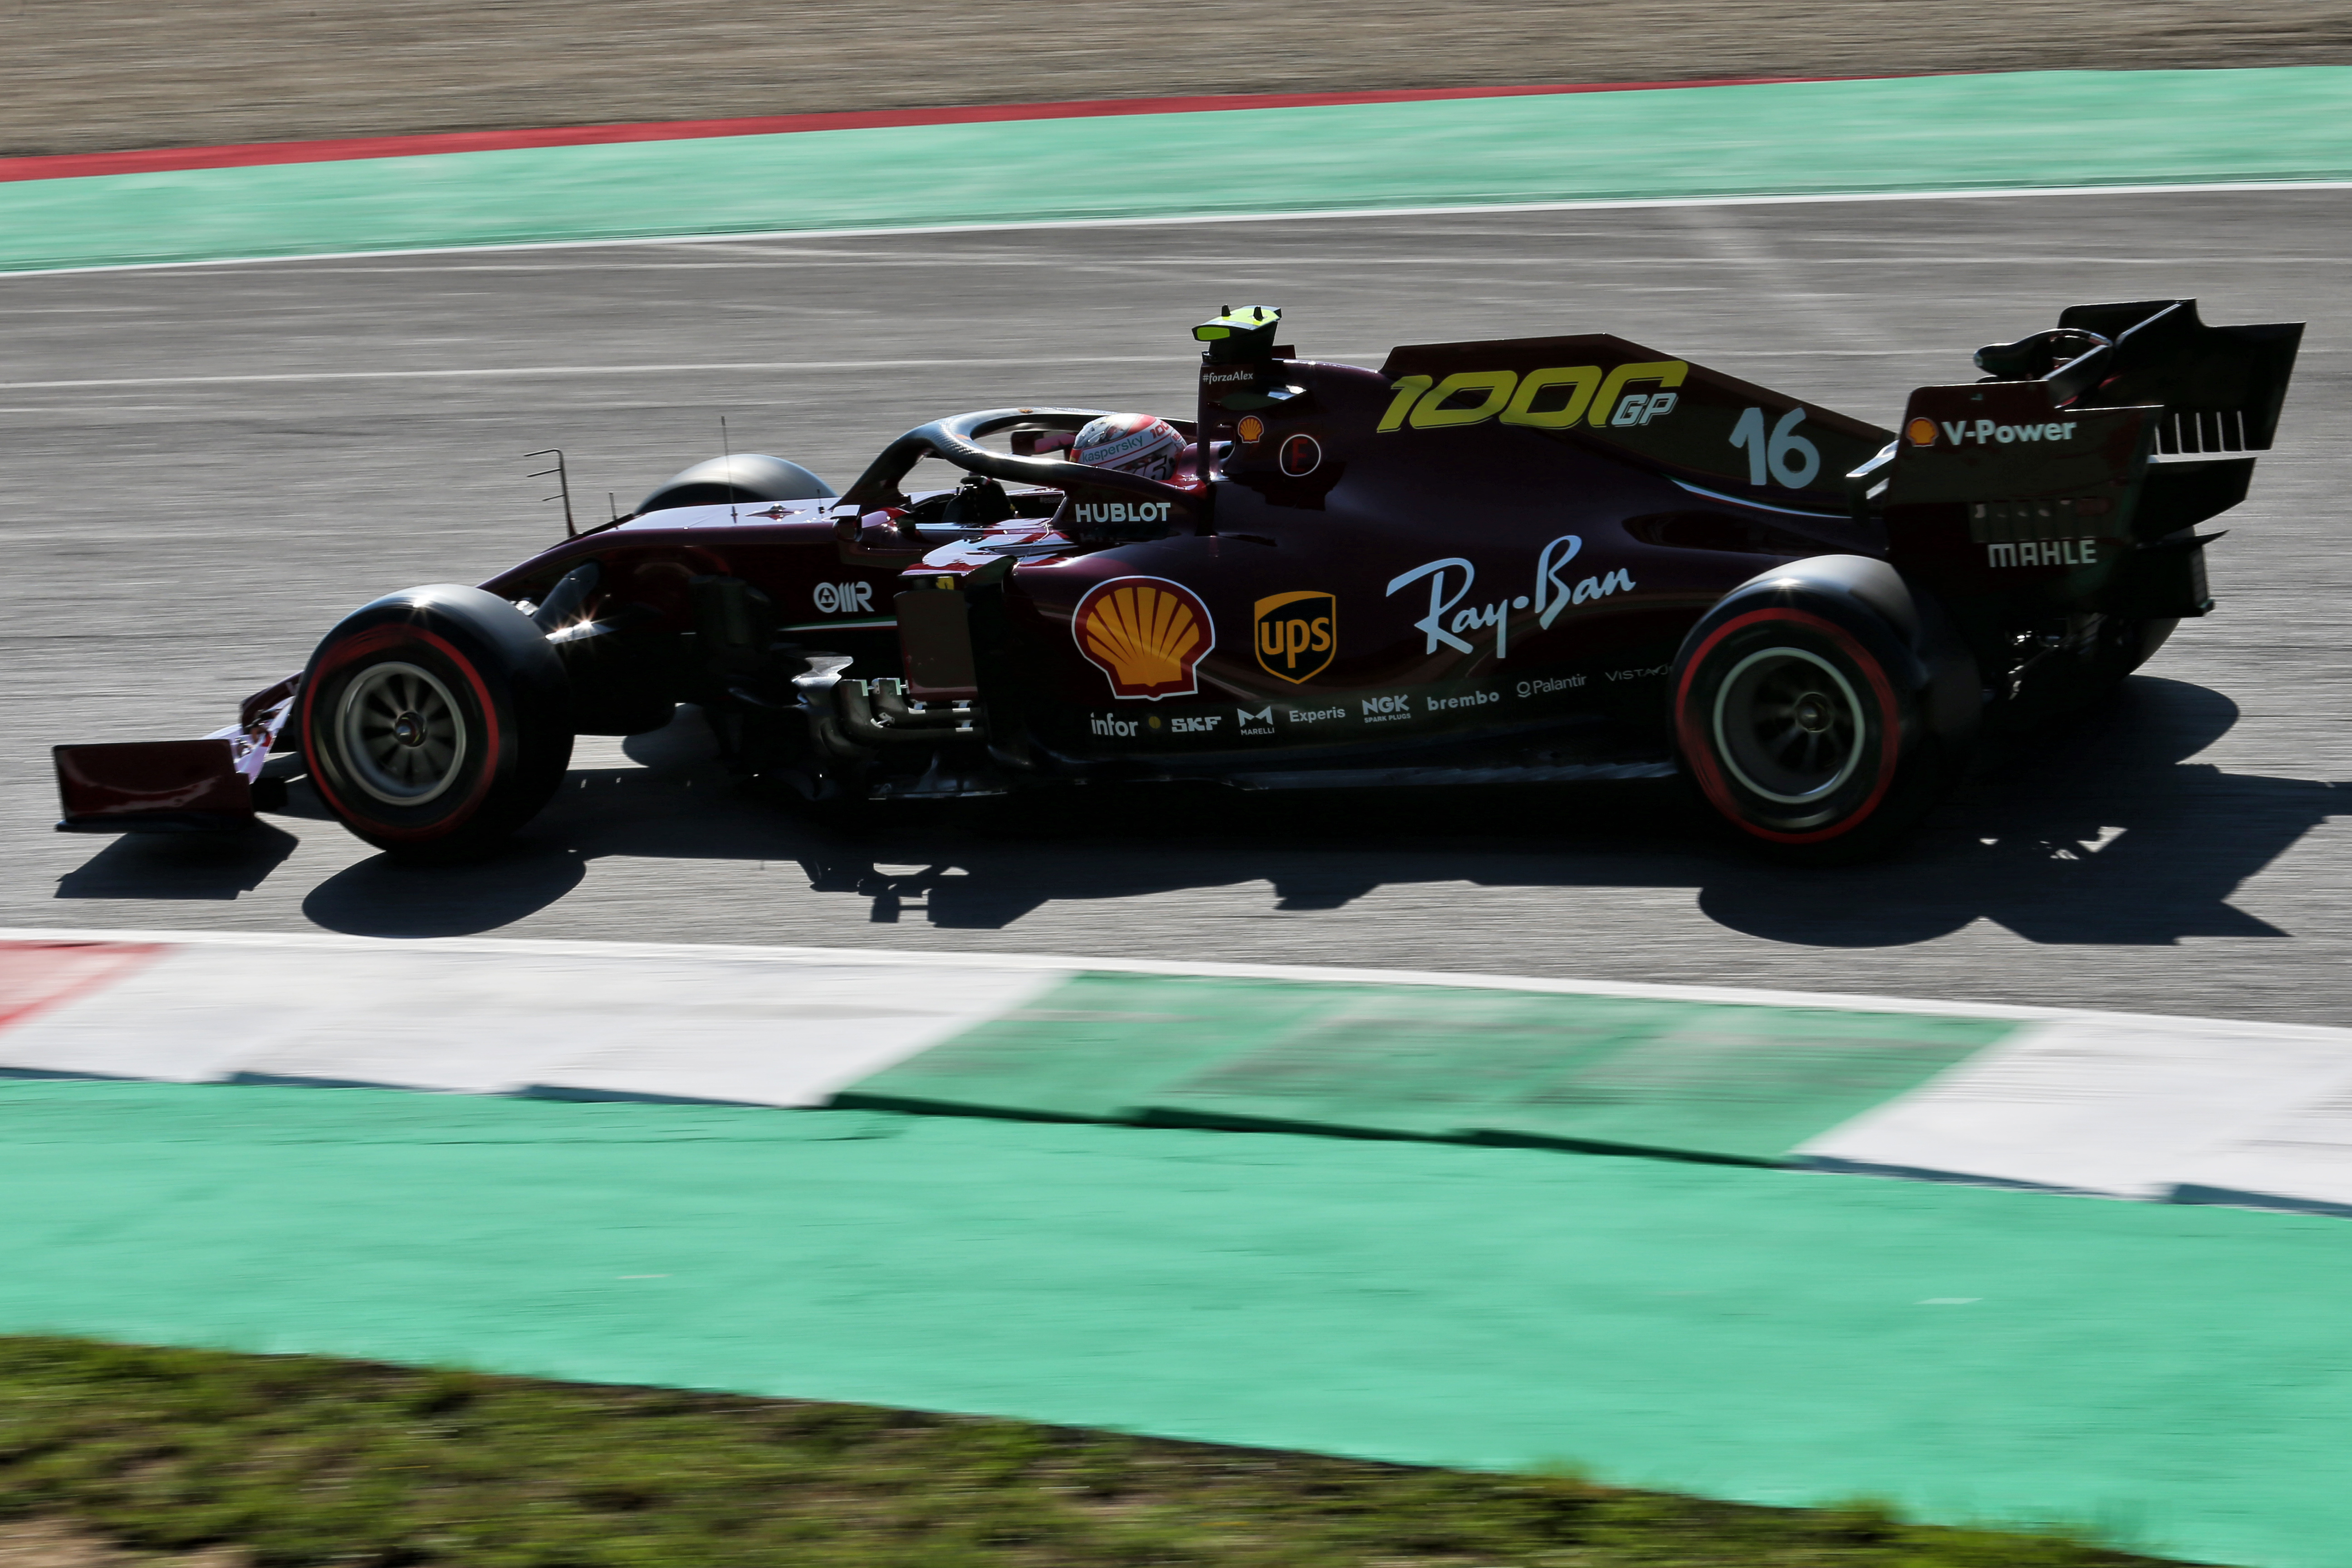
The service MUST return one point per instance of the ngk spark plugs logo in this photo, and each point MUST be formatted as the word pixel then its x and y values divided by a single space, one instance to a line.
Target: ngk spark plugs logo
pixel 1297 634
pixel 1146 634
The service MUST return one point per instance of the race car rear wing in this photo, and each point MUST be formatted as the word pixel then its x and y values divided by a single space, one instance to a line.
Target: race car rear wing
pixel 2039 489
pixel 2221 387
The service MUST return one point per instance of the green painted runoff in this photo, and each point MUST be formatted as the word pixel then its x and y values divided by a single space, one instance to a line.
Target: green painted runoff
pixel 1705 1081
pixel 1920 133
pixel 2177 1377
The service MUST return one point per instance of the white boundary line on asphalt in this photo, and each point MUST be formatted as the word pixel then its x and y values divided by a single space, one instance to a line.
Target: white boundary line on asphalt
pixel 525 372
pixel 1589 204
pixel 882 958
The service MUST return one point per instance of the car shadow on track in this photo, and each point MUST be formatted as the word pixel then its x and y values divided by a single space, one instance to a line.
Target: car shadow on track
pixel 203 866
pixel 2103 832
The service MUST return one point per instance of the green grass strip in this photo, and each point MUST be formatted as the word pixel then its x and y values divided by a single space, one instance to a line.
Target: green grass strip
pixel 302 1461
pixel 2174 1378
pixel 1933 134
pixel 1696 1080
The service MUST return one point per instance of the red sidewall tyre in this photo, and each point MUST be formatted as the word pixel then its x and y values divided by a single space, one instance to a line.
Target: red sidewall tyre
pixel 1803 733
pixel 435 721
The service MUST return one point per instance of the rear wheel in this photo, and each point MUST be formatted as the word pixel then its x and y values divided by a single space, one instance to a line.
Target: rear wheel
pixel 2091 655
pixel 1801 737
pixel 2114 650
pixel 434 722
pixel 2142 638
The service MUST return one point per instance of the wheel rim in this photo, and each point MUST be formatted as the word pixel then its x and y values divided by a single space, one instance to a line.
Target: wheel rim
pixel 401 732
pixel 1787 725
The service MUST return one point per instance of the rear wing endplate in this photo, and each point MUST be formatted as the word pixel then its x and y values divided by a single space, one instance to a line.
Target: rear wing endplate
pixel 2039 484
pixel 2219 388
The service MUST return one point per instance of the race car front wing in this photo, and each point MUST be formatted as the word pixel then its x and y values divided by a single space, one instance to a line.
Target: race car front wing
pixel 178 786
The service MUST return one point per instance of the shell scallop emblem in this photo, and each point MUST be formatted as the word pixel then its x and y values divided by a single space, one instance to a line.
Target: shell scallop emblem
pixel 1921 431
pixel 1146 634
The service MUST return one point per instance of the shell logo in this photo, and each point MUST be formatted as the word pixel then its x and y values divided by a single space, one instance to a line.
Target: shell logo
pixel 1146 634
pixel 1921 431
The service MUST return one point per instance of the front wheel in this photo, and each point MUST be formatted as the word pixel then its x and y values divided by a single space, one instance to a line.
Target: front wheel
pixel 1808 724
pixel 434 722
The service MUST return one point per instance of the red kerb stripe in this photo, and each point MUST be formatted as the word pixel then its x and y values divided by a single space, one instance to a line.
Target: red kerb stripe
pixel 72 165
pixel 37 976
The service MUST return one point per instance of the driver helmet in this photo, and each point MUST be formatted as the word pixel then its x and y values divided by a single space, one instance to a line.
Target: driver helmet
pixel 1132 443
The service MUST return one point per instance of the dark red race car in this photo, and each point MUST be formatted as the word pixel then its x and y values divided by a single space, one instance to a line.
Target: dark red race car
pixel 1534 559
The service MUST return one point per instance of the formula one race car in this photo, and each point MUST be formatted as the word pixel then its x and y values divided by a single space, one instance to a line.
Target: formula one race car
pixel 1534 559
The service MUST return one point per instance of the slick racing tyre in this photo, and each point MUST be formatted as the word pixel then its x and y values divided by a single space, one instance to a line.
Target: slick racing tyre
pixel 1816 723
pixel 434 722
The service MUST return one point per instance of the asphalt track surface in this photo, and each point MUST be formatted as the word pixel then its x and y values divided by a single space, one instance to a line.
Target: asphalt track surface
pixel 205 467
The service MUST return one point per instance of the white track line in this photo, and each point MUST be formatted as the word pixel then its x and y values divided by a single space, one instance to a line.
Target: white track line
pixel 423 1015
pixel 2137 1112
pixel 891 957
pixel 762 367
pixel 1310 216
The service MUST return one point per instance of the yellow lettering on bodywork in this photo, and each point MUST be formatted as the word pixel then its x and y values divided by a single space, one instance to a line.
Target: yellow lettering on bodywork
pixel 1430 413
pixel 1408 393
pixel 1580 379
pixel 1665 372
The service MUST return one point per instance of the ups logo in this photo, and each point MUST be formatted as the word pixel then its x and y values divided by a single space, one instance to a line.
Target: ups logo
pixel 1296 635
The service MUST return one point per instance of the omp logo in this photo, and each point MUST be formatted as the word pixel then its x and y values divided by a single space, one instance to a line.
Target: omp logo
pixel 1381 710
pixel 1146 634
pixel 1200 724
pixel 1297 634
pixel 1125 510
pixel 1985 433
pixel 845 599
pixel 2045 552
pixel 1554 399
